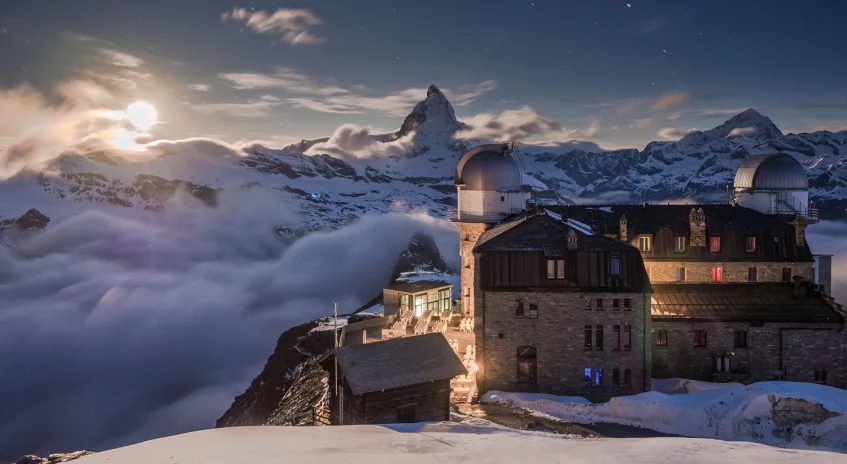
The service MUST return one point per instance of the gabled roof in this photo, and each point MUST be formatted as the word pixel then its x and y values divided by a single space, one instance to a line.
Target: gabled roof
pixel 418 286
pixel 399 362
pixel 741 302
pixel 545 231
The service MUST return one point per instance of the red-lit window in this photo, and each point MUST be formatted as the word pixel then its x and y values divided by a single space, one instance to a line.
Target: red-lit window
pixel 661 338
pixel 715 244
pixel 750 244
pixel 717 274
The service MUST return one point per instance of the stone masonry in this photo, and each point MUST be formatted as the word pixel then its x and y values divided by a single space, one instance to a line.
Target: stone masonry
pixel 558 335
pixel 697 224
pixel 733 271
pixel 468 236
pixel 804 349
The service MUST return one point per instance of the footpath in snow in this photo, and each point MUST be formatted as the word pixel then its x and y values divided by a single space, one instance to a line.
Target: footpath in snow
pixel 473 441
pixel 786 414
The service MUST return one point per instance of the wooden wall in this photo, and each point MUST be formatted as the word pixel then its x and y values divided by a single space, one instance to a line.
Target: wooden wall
pixel 431 400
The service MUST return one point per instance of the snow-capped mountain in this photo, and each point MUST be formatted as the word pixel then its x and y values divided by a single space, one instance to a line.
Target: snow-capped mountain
pixel 412 169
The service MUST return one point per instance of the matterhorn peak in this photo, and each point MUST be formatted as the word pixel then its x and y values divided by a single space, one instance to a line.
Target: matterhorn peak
pixel 433 114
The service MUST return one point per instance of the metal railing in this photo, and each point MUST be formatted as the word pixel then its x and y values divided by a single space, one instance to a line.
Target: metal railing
pixel 787 205
pixel 453 214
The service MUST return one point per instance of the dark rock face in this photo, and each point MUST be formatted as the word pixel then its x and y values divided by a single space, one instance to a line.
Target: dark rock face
pixel 264 397
pixel 422 252
pixel 434 104
pixel 32 220
pixel 307 399
pixel 53 458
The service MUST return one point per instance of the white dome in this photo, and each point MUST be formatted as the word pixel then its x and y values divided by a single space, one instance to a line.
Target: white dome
pixel 772 171
pixel 488 167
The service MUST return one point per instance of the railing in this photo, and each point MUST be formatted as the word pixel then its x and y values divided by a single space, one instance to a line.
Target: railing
pixel 453 214
pixel 786 205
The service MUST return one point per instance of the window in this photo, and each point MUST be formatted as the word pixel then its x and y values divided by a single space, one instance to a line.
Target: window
pixel 444 298
pixel 616 337
pixel 616 377
pixel 717 274
pixel 599 304
pixel 680 274
pixel 627 337
pixel 405 303
pixel 420 303
pixel 700 338
pixel 555 268
pixel 616 304
pixel 615 266
pixel 740 339
pixel 715 244
pixel 598 377
pixel 406 414
pixel 820 375
pixel 752 274
pixel 679 244
pixel 587 337
pixel 519 312
pixel 661 338
pixel 598 343
pixel 533 310
pixel 627 304
pixel 587 376
pixel 502 198
pixel 750 244
pixel 786 274
pixel 627 377
pixel 527 364
pixel 645 243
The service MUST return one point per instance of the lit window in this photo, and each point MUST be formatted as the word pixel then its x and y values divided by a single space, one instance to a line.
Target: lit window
pixel 680 275
pixel 599 339
pixel 644 243
pixel 750 244
pixel 555 268
pixel 627 337
pixel 587 375
pixel 740 339
pixel 752 274
pixel 717 274
pixel 715 244
pixel 700 338
pixel 598 377
pixel 661 338
pixel 615 266
pixel 679 244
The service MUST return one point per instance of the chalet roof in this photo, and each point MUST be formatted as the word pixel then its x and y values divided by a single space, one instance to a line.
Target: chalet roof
pixel 545 231
pixel 730 222
pixel 740 302
pixel 398 362
pixel 418 286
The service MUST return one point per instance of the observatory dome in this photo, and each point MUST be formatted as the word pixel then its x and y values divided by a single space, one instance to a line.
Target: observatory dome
pixel 488 167
pixel 772 171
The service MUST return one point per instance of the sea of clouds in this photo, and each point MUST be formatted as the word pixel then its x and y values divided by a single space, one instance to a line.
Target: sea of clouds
pixel 121 328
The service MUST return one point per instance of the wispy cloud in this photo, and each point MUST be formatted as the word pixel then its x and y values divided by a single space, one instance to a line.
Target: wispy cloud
pixel 282 78
pixel 250 109
pixel 643 122
pixel 673 133
pixel 822 106
pixel 673 99
pixel 200 87
pixel 323 107
pixel 124 60
pixel 509 125
pixel 292 24
pixel 651 26
pixel 726 112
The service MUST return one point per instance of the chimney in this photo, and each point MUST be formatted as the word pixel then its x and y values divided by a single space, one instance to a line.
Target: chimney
pixel 622 234
pixel 799 230
pixel 697 223
pixel 800 285
pixel 571 240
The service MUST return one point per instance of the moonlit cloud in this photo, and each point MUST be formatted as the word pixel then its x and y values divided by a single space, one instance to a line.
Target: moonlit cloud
pixel 293 24
pixel 352 141
pixel 283 78
pixel 200 87
pixel 722 112
pixel 673 133
pixel 643 122
pixel 258 108
pixel 121 59
pixel 672 100
pixel 509 125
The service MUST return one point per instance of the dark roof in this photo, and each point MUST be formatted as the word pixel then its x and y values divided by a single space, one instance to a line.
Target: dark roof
pixel 542 231
pixel 664 222
pixel 740 302
pixel 398 362
pixel 418 286
pixel 771 171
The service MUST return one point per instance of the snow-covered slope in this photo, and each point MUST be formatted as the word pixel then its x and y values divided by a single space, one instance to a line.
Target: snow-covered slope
pixel 474 441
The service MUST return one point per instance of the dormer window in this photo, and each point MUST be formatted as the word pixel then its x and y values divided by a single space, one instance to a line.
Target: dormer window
pixel 645 243
pixel 615 266
pixel 555 268
pixel 750 244
pixel 679 244
pixel 715 244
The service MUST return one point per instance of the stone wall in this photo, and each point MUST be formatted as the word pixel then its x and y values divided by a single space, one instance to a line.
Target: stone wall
pixel 733 271
pixel 468 236
pixel 804 347
pixel 558 336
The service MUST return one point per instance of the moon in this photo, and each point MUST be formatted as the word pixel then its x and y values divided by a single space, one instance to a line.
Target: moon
pixel 141 114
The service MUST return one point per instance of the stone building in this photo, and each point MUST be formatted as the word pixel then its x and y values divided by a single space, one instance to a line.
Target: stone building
pixel 737 293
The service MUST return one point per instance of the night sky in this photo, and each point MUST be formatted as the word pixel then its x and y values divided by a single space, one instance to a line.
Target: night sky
pixel 616 73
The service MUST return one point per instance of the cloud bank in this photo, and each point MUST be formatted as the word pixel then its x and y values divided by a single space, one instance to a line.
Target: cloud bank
pixel 119 329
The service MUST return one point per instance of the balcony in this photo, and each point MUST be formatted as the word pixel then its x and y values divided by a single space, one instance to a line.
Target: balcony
pixel 454 215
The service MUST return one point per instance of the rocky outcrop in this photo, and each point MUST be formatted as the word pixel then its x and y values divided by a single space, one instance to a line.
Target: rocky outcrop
pixel 53 458
pixel 32 220
pixel 306 401
pixel 421 253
